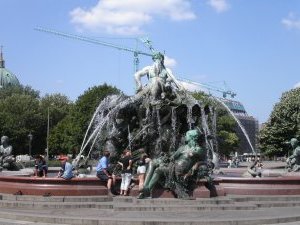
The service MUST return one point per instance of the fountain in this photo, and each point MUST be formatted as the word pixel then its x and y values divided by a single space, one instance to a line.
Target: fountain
pixel 166 121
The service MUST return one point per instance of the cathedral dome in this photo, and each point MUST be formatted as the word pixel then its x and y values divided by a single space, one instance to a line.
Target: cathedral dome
pixel 7 78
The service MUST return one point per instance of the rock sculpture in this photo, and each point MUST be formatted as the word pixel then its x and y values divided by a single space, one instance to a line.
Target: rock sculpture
pixel 178 172
pixel 293 162
pixel 7 160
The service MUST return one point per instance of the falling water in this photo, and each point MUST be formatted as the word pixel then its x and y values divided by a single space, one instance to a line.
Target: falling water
pixel 189 117
pixel 215 158
pixel 159 128
pixel 238 122
pixel 101 120
pixel 129 138
pixel 206 130
pixel 173 124
pixel 148 114
pixel 137 135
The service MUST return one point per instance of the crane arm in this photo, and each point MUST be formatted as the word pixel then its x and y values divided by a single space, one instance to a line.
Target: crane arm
pixel 91 40
pixel 210 87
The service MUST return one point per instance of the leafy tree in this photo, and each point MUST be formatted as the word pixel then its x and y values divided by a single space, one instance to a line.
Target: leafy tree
pixel 22 111
pixel 283 124
pixel 20 115
pixel 226 132
pixel 65 136
pixel 69 133
pixel 21 90
pixel 226 125
pixel 57 107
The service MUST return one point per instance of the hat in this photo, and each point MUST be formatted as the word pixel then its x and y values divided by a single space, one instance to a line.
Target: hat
pixel 63 157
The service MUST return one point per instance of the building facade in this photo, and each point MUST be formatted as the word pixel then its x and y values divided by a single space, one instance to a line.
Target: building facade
pixel 249 123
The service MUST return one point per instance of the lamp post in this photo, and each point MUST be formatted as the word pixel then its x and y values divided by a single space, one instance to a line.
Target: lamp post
pixel 30 136
pixel 48 129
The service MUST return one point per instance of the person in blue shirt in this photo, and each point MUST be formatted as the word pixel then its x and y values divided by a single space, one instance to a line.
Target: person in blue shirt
pixel 103 173
pixel 66 170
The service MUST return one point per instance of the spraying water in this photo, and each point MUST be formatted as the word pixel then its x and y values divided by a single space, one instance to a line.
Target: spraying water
pixel 238 122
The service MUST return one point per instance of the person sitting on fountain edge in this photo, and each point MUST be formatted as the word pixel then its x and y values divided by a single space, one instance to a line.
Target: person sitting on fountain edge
pixel 103 173
pixel 66 170
pixel 41 167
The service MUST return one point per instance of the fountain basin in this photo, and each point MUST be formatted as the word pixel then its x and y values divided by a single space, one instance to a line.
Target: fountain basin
pixel 93 186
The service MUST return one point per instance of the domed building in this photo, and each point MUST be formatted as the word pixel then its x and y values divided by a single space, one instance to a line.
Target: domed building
pixel 7 78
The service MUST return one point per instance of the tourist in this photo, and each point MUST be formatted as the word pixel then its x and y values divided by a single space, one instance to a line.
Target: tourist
pixel 103 173
pixel 41 167
pixel 141 169
pixel 253 169
pixel 230 163
pixel 126 174
pixel 66 170
pixel 259 164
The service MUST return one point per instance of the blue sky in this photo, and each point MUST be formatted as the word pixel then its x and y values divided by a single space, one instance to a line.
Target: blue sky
pixel 254 46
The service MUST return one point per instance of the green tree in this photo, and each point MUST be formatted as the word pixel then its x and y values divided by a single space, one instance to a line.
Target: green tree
pixel 54 107
pixel 227 139
pixel 22 111
pixel 226 135
pixel 68 134
pixel 20 115
pixel 21 90
pixel 282 125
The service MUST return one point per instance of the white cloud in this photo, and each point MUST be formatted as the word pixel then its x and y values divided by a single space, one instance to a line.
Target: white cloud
pixel 219 5
pixel 128 17
pixel 170 62
pixel 291 22
pixel 297 85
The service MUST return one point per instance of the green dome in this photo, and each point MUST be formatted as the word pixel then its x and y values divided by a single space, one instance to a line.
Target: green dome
pixel 7 78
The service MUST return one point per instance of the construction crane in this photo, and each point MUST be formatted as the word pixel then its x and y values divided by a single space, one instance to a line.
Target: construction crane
pixel 135 52
pixel 225 91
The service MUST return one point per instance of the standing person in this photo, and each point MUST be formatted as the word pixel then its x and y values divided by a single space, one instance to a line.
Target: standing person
pixel 41 167
pixel 66 170
pixel 102 171
pixel 126 174
pixel 141 169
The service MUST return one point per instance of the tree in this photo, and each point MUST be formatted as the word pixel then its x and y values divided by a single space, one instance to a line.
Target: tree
pixel 21 90
pixel 57 107
pixel 68 134
pixel 226 134
pixel 282 125
pixel 22 111
pixel 227 139
pixel 20 115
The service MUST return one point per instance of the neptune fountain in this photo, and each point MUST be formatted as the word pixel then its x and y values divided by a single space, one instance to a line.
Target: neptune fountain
pixel 160 118
pixel 176 130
